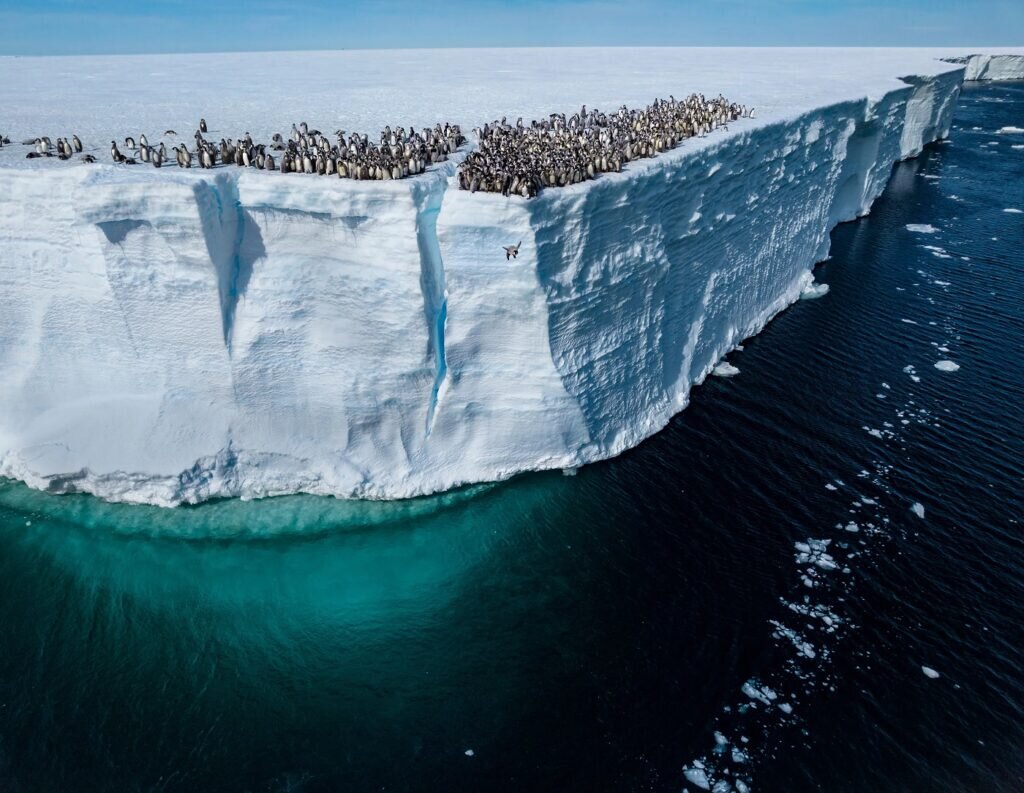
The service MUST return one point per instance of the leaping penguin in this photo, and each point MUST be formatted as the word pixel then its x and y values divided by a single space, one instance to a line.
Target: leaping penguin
pixel 511 251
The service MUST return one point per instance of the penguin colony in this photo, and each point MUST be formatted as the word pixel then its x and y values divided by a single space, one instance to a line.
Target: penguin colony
pixel 399 153
pixel 560 151
pixel 511 160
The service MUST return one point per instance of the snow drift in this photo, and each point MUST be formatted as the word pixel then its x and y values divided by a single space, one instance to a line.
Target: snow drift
pixel 176 336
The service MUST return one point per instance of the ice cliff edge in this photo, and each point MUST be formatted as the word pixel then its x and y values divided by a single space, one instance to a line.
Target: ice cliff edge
pixel 229 333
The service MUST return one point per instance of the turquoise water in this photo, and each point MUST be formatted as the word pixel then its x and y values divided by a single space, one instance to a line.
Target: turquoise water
pixel 593 632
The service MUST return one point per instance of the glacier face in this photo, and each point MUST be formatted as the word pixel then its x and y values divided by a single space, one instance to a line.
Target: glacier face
pixel 175 336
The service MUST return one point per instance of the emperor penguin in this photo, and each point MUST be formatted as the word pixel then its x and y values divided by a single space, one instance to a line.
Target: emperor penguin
pixel 202 125
pixel 129 142
pixel 77 143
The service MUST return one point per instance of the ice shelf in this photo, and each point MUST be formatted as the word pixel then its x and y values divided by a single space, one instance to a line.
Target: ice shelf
pixel 172 336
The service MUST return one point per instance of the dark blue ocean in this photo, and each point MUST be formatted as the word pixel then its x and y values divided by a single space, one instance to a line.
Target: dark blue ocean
pixel 812 580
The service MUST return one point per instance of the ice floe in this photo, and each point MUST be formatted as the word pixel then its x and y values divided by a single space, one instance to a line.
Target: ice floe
pixel 813 290
pixel 947 366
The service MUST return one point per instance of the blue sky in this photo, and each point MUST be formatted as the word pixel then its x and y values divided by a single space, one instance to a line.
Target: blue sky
pixel 34 27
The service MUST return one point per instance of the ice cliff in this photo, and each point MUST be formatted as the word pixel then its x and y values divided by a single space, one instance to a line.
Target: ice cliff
pixel 233 333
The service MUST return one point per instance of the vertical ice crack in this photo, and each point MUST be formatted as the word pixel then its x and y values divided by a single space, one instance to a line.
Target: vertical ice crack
pixel 233 241
pixel 435 293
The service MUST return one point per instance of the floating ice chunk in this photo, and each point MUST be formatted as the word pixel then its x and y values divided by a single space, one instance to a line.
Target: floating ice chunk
pixel 738 755
pixel 921 228
pixel 852 527
pixel 755 690
pixel 908 321
pixel 720 740
pixel 813 290
pixel 1013 211
pixel 469 753
pixel 929 672
pixel 830 486
pixel 696 775
pixel 786 708
pixel 1010 131
pixel 725 369
pixel 815 552
pixel 947 366
pixel 918 509
pixel 1017 146
pixel 802 647
pixel 741 786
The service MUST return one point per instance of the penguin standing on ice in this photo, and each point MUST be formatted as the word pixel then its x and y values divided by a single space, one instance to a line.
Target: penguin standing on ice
pixel 202 125
pixel 77 143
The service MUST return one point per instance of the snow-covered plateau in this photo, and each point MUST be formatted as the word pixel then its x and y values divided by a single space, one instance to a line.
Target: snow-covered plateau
pixel 173 336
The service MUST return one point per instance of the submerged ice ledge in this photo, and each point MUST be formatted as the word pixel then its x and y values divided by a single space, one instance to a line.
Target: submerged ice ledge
pixel 202 335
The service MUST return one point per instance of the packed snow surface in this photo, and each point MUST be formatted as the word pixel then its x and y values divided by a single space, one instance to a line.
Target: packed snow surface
pixel 170 336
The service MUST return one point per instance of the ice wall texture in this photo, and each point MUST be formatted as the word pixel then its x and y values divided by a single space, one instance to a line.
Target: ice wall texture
pixel 995 67
pixel 230 333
